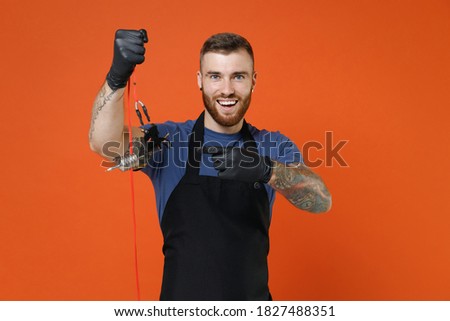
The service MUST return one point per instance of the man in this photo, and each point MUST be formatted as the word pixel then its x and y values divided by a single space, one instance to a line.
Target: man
pixel 215 186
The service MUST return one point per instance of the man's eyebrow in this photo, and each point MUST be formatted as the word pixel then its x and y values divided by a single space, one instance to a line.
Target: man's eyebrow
pixel 240 73
pixel 213 73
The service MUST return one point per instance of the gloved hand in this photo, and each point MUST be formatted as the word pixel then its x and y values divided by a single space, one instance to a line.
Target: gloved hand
pixel 240 164
pixel 128 51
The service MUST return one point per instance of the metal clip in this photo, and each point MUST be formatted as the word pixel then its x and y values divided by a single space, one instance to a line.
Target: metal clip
pixel 136 107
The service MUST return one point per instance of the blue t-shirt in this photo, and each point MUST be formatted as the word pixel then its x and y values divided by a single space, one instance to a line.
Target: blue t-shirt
pixel 168 165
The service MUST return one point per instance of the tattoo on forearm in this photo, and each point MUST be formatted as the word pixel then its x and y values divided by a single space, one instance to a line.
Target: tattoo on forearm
pixel 301 186
pixel 100 102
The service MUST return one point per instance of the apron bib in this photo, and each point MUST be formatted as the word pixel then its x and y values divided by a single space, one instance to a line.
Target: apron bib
pixel 216 234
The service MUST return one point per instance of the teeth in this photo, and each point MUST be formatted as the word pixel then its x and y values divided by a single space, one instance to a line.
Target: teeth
pixel 227 102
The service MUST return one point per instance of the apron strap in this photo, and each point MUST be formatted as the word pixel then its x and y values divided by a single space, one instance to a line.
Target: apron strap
pixel 196 141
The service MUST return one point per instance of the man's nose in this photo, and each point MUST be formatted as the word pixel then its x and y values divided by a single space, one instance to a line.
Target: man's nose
pixel 227 88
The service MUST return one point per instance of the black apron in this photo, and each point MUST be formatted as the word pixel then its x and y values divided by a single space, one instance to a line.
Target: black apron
pixel 216 234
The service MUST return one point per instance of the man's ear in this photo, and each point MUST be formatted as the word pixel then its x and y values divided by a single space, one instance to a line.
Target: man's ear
pixel 199 80
pixel 254 80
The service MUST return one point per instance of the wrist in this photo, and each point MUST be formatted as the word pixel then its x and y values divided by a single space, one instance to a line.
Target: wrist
pixel 268 168
pixel 275 166
pixel 116 82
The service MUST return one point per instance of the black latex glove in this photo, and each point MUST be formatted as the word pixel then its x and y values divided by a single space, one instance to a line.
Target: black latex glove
pixel 128 51
pixel 240 164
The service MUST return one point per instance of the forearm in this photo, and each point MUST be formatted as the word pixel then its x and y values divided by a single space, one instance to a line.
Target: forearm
pixel 107 119
pixel 301 186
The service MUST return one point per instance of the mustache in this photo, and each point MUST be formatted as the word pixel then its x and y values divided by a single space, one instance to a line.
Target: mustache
pixel 227 96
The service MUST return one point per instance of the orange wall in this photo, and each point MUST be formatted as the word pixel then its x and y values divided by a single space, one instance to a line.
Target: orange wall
pixel 375 73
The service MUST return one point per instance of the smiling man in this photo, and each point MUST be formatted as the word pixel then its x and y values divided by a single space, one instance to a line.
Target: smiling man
pixel 216 185
pixel 227 80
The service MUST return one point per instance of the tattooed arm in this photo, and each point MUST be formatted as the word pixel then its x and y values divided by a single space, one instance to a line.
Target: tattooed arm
pixel 107 113
pixel 301 186
pixel 107 121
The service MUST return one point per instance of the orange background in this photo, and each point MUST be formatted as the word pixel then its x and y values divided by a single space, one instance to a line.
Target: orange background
pixel 376 73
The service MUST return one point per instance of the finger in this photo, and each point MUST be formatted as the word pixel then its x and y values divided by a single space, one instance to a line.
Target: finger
pixel 219 163
pixel 133 36
pixel 215 150
pixel 137 49
pixel 144 35
pixel 134 48
pixel 224 174
pixel 132 57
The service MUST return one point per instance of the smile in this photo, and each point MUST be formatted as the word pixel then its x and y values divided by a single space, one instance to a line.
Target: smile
pixel 227 103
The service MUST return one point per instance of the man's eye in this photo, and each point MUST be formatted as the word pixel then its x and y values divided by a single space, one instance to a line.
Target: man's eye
pixel 239 77
pixel 214 77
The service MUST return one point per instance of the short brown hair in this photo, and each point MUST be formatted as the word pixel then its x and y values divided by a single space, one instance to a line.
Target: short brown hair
pixel 226 42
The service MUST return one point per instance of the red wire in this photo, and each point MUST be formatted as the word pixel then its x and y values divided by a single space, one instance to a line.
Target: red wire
pixel 132 191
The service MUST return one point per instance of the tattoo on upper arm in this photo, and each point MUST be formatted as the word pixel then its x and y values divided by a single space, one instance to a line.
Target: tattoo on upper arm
pixel 301 186
pixel 100 102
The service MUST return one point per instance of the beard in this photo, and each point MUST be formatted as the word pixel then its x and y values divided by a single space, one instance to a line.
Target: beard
pixel 227 120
